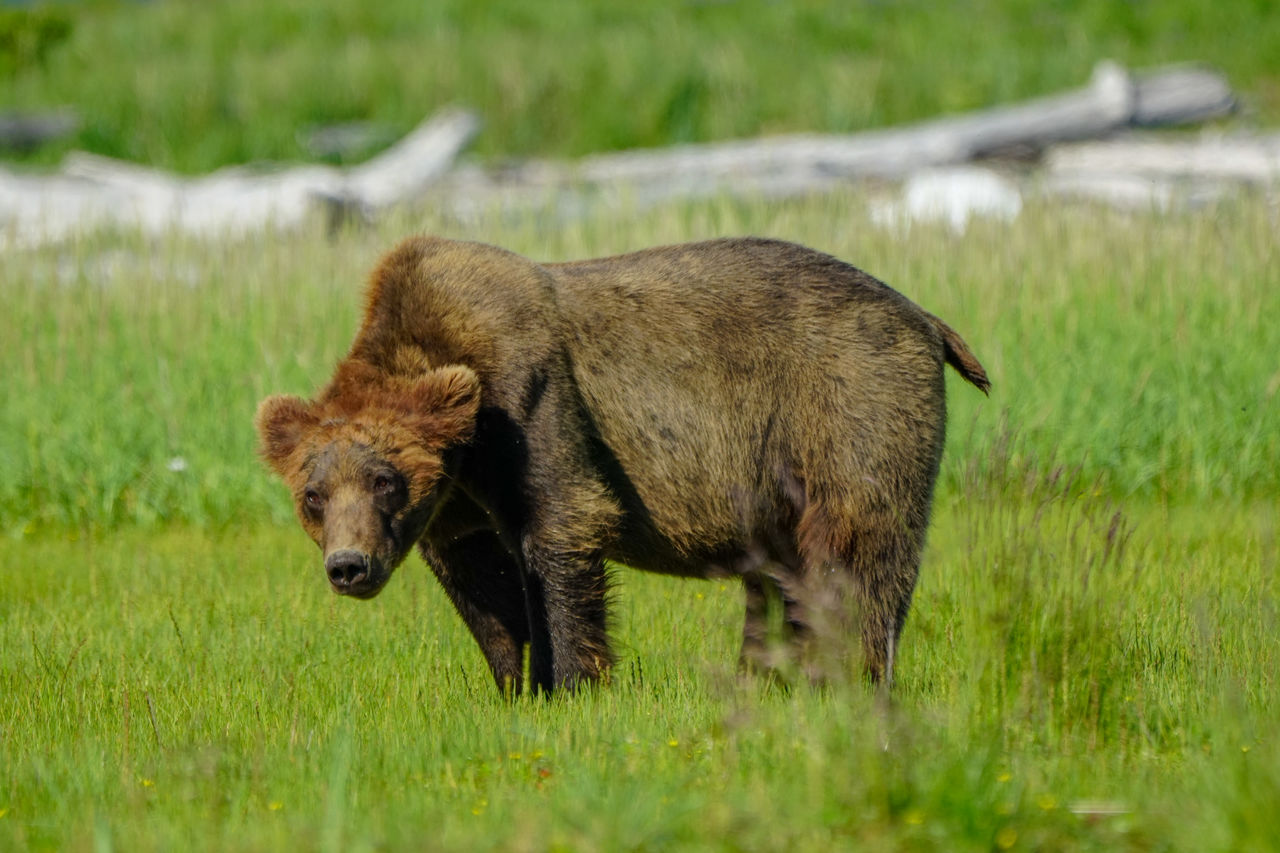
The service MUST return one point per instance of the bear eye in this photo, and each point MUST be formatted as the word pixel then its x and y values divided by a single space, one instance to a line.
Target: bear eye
pixel 314 499
pixel 383 483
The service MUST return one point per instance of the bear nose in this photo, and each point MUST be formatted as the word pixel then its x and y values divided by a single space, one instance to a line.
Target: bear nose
pixel 346 568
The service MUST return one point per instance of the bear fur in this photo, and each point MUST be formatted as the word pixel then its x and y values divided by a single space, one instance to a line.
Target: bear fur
pixel 740 407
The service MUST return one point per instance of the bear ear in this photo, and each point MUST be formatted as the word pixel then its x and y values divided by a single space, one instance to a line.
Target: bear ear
pixel 444 403
pixel 352 378
pixel 282 421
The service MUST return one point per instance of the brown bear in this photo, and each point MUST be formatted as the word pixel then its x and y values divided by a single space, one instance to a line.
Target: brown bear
pixel 737 407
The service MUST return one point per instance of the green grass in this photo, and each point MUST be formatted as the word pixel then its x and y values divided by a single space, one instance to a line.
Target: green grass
pixel 1097 619
pixel 192 86
pixel 205 691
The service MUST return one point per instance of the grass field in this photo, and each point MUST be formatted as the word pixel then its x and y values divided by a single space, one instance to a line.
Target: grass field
pixel 1091 662
pixel 192 86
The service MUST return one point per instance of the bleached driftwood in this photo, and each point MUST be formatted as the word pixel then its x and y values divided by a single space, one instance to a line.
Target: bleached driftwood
pixel 796 164
pixel 1254 160
pixel 95 192
pixel 1179 95
pixel 404 171
pixel 100 192
pixel 1145 173
pixel 232 201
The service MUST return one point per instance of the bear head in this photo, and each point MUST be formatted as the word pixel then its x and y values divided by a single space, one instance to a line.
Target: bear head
pixel 366 462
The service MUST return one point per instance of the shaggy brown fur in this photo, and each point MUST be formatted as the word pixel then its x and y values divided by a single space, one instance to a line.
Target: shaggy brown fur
pixel 744 407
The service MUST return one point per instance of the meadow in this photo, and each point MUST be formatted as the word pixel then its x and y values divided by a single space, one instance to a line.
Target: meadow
pixel 192 86
pixel 1091 661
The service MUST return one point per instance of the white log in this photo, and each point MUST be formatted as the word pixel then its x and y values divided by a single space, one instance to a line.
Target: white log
pixel 235 200
pixel 799 164
pixel 1254 160
pixel 406 169
pixel 1100 108
pixel 36 210
pixel 1111 102
pixel 1180 95
pixel 96 192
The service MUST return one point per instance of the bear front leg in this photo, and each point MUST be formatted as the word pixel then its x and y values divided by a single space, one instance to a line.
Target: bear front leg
pixel 483 581
pixel 563 519
pixel 567 608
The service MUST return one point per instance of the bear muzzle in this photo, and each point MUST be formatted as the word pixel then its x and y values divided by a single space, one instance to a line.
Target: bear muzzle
pixel 354 573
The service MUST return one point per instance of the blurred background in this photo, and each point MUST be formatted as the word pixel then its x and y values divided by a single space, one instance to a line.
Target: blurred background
pixel 191 86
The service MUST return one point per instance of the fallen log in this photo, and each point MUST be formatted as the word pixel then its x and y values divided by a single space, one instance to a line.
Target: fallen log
pixel 1156 174
pixel 1253 160
pixel 1180 94
pixel 406 169
pixel 36 210
pixel 95 192
pixel 798 164
pixel 420 165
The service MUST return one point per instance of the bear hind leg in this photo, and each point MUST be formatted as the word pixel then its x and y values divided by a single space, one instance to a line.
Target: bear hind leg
pixel 884 575
pixel 760 637
pixel 859 573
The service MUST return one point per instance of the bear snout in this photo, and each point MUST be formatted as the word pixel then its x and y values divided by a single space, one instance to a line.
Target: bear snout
pixel 348 571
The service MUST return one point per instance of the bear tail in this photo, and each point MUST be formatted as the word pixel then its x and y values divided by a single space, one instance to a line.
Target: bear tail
pixel 959 356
